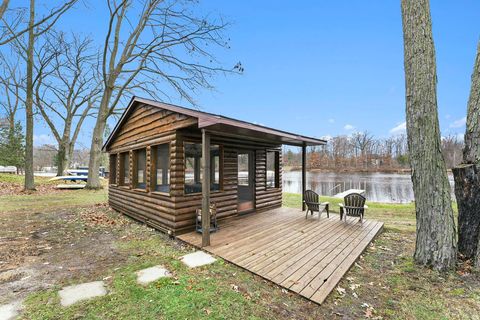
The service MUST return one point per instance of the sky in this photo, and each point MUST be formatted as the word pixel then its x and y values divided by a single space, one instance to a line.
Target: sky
pixel 321 68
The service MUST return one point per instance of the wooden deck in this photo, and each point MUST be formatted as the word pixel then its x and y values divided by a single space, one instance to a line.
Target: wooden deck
pixel 306 256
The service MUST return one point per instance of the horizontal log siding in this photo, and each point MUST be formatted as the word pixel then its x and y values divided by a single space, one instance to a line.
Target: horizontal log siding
pixel 266 198
pixel 175 213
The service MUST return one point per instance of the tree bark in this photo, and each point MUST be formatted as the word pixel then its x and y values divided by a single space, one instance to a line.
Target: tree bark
pixel 3 8
pixel 63 157
pixel 436 236
pixel 97 142
pixel 467 191
pixel 467 176
pixel 471 152
pixel 29 179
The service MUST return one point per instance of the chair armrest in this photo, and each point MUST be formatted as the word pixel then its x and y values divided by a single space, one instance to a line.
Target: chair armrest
pixel 365 207
pixel 324 203
pixel 341 205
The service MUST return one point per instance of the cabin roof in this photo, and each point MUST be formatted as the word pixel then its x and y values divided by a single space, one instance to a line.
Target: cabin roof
pixel 222 125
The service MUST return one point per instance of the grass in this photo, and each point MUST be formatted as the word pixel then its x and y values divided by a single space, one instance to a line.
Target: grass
pixel 385 283
pixel 18 179
pixel 189 294
pixel 39 202
pixel 46 199
pixel 398 217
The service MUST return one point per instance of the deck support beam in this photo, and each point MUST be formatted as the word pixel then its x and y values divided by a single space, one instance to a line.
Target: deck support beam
pixel 205 188
pixel 304 173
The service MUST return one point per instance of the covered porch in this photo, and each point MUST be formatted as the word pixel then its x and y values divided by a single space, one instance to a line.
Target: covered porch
pixel 306 256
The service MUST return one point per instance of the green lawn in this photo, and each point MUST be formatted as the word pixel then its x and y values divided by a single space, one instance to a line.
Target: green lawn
pixel 39 202
pixel 399 217
pixel 383 284
pixel 46 197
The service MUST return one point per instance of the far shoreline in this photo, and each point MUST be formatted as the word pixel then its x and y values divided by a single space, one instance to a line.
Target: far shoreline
pixel 353 170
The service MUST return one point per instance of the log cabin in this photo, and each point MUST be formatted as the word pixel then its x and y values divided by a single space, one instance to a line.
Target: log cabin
pixel 166 161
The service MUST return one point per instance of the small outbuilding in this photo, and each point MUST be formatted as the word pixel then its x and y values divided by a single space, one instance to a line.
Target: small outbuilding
pixel 167 161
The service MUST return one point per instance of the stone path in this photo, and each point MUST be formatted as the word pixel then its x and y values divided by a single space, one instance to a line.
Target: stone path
pixel 76 293
pixel 10 311
pixel 197 259
pixel 73 294
pixel 149 275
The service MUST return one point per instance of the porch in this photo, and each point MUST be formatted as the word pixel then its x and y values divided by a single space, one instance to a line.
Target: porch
pixel 306 256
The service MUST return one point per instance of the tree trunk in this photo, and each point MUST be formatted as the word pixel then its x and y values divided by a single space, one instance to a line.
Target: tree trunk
pixel 467 191
pixel 467 175
pixel 3 8
pixel 471 152
pixel 63 158
pixel 435 243
pixel 97 142
pixel 29 179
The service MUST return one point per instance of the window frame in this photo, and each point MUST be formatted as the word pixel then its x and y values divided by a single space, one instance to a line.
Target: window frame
pixel 113 174
pixel 153 168
pixel 220 168
pixel 121 181
pixel 276 165
pixel 134 174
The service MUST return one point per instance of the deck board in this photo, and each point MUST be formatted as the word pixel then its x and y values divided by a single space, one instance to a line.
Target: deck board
pixel 307 256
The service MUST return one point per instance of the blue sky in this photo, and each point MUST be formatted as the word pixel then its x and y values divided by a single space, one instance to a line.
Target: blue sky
pixel 323 67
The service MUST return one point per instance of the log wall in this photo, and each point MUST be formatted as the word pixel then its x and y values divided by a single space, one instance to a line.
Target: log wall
pixel 174 212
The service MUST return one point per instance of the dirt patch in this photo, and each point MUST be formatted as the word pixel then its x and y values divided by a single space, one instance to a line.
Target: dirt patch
pixel 42 249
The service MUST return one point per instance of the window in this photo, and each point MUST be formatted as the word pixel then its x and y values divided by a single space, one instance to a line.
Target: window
pixel 243 169
pixel 272 169
pixel 161 168
pixel 124 169
pixel 193 172
pixel 140 171
pixel 113 169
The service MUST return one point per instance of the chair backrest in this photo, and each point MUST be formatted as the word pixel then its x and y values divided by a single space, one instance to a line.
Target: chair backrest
pixel 354 204
pixel 312 200
pixel 213 212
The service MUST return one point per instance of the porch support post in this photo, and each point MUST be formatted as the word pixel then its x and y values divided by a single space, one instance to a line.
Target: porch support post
pixel 304 173
pixel 205 188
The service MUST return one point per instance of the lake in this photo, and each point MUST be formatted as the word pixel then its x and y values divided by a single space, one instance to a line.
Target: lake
pixel 379 187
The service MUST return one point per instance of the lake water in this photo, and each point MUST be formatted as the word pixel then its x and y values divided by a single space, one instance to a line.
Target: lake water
pixel 379 187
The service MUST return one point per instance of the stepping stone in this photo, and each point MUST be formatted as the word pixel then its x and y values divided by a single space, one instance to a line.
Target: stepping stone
pixel 10 311
pixel 73 294
pixel 197 259
pixel 148 275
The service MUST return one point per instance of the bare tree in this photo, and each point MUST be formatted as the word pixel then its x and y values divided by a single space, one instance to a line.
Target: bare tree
pixel 66 90
pixel 361 142
pixel 11 86
pixel 3 8
pixel 436 237
pixel 158 45
pixel 34 29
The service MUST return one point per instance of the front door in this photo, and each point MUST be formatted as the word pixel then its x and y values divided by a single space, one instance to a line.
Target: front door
pixel 246 181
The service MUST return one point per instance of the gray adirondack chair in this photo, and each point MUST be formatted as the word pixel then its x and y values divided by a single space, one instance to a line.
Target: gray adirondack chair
pixel 312 200
pixel 354 206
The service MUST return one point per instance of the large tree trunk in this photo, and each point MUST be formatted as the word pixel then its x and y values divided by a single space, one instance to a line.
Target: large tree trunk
pixel 471 152
pixel 63 158
pixel 436 237
pixel 29 179
pixel 467 175
pixel 467 191
pixel 97 142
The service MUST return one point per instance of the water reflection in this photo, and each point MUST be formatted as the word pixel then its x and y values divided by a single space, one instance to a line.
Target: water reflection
pixel 379 187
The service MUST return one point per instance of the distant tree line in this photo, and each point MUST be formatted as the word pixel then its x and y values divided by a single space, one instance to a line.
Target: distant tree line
pixel 362 151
